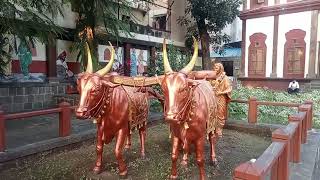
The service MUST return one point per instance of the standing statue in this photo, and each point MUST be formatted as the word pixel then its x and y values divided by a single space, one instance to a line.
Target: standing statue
pixel 133 63
pixel 25 58
pixel 222 90
pixel 189 106
pixel 117 109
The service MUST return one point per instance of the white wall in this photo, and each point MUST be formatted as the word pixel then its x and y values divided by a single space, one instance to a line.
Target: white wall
pixel 65 46
pixel 234 30
pixel 68 20
pixel 288 22
pixel 263 25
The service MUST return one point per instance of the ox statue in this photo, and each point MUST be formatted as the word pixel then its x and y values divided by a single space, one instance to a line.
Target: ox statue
pixel 117 109
pixel 189 108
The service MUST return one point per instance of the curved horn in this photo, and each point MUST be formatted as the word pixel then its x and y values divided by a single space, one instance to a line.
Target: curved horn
pixel 108 67
pixel 166 64
pixel 89 63
pixel 190 65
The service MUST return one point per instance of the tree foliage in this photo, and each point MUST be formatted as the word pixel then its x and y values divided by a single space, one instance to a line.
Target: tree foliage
pixel 28 20
pixel 103 18
pixel 208 19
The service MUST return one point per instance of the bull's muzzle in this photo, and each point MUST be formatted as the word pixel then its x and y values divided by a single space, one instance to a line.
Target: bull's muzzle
pixel 81 112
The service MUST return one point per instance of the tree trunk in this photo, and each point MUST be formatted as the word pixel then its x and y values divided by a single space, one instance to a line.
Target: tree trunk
pixel 204 37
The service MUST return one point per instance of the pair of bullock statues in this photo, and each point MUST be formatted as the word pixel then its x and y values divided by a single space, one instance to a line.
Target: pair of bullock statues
pixel 195 102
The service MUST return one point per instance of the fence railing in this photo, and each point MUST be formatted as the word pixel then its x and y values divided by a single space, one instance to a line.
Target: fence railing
pixel 64 110
pixel 285 146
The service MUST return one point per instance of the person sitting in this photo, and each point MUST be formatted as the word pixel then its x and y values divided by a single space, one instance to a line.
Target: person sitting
pixel 293 87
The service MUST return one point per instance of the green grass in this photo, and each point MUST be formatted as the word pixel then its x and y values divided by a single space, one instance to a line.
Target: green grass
pixel 272 114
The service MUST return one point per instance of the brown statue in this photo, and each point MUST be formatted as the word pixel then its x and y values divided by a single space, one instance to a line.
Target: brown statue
pixel 117 110
pixel 189 106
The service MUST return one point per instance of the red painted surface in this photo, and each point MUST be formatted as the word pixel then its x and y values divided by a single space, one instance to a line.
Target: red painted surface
pixel 35 67
pixel 270 83
pixel 41 67
pixel 294 39
pixel 74 67
pixel 257 44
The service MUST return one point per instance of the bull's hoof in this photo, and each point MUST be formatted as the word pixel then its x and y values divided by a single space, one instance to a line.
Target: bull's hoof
pixel 97 170
pixel 174 177
pixel 143 156
pixel 214 163
pixel 123 174
pixel 184 163
pixel 127 146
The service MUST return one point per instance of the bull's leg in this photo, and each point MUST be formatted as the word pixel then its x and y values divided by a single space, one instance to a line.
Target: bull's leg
pixel 200 158
pixel 122 134
pixel 184 161
pixel 128 142
pixel 213 141
pixel 99 148
pixel 174 157
pixel 142 133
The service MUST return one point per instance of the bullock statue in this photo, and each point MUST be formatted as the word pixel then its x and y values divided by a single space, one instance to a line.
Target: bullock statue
pixel 189 108
pixel 117 109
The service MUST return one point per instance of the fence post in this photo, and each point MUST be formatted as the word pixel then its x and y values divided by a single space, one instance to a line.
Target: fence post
pixel 280 135
pixel 2 132
pixel 304 108
pixel 64 119
pixel 253 110
pixel 296 138
pixel 310 120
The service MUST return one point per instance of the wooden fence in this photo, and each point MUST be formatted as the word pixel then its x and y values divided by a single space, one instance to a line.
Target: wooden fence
pixel 285 146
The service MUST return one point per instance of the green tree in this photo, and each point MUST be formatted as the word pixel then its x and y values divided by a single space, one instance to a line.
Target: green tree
pixel 28 20
pixel 102 19
pixel 208 18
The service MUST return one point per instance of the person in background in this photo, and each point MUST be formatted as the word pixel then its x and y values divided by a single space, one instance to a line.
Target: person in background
pixel 293 87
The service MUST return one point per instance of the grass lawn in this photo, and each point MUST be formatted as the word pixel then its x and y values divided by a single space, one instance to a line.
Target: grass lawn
pixel 272 114
pixel 233 149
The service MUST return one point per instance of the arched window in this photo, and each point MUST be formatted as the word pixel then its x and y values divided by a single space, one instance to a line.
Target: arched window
pixel 257 55
pixel 294 54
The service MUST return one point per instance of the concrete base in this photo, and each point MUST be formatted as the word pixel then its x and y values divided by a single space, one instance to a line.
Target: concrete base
pixel 308 168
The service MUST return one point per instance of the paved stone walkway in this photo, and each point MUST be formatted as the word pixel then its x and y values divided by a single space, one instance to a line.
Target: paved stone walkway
pixel 25 131
pixel 309 167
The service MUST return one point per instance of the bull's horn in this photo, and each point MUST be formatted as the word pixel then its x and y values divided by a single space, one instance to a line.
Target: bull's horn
pixel 108 67
pixel 89 63
pixel 190 65
pixel 166 64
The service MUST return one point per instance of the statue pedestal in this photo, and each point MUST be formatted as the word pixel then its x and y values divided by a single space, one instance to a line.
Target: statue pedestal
pixel 106 176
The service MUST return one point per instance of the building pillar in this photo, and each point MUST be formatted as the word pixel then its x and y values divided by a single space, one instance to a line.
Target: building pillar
pixel 152 58
pixel 243 49
pixel 126 62
pixel 51 56
pixel 275 46
pixel 313 44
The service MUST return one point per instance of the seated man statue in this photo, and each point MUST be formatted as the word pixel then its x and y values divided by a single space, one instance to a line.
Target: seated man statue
pixel 293 87
pixel 63 71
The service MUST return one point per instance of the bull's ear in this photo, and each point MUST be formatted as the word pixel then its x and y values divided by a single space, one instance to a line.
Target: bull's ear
pixel 109 84
pixel 193 83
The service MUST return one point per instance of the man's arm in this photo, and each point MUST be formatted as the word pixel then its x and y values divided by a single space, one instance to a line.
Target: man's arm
pixel 202 75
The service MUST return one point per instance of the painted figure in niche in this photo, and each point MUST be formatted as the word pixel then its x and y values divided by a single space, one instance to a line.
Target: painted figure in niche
pixel 25 58
pixel 133 63
pixel 5 55
pixel 222 90
pixel 63 71
pixel 140 63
